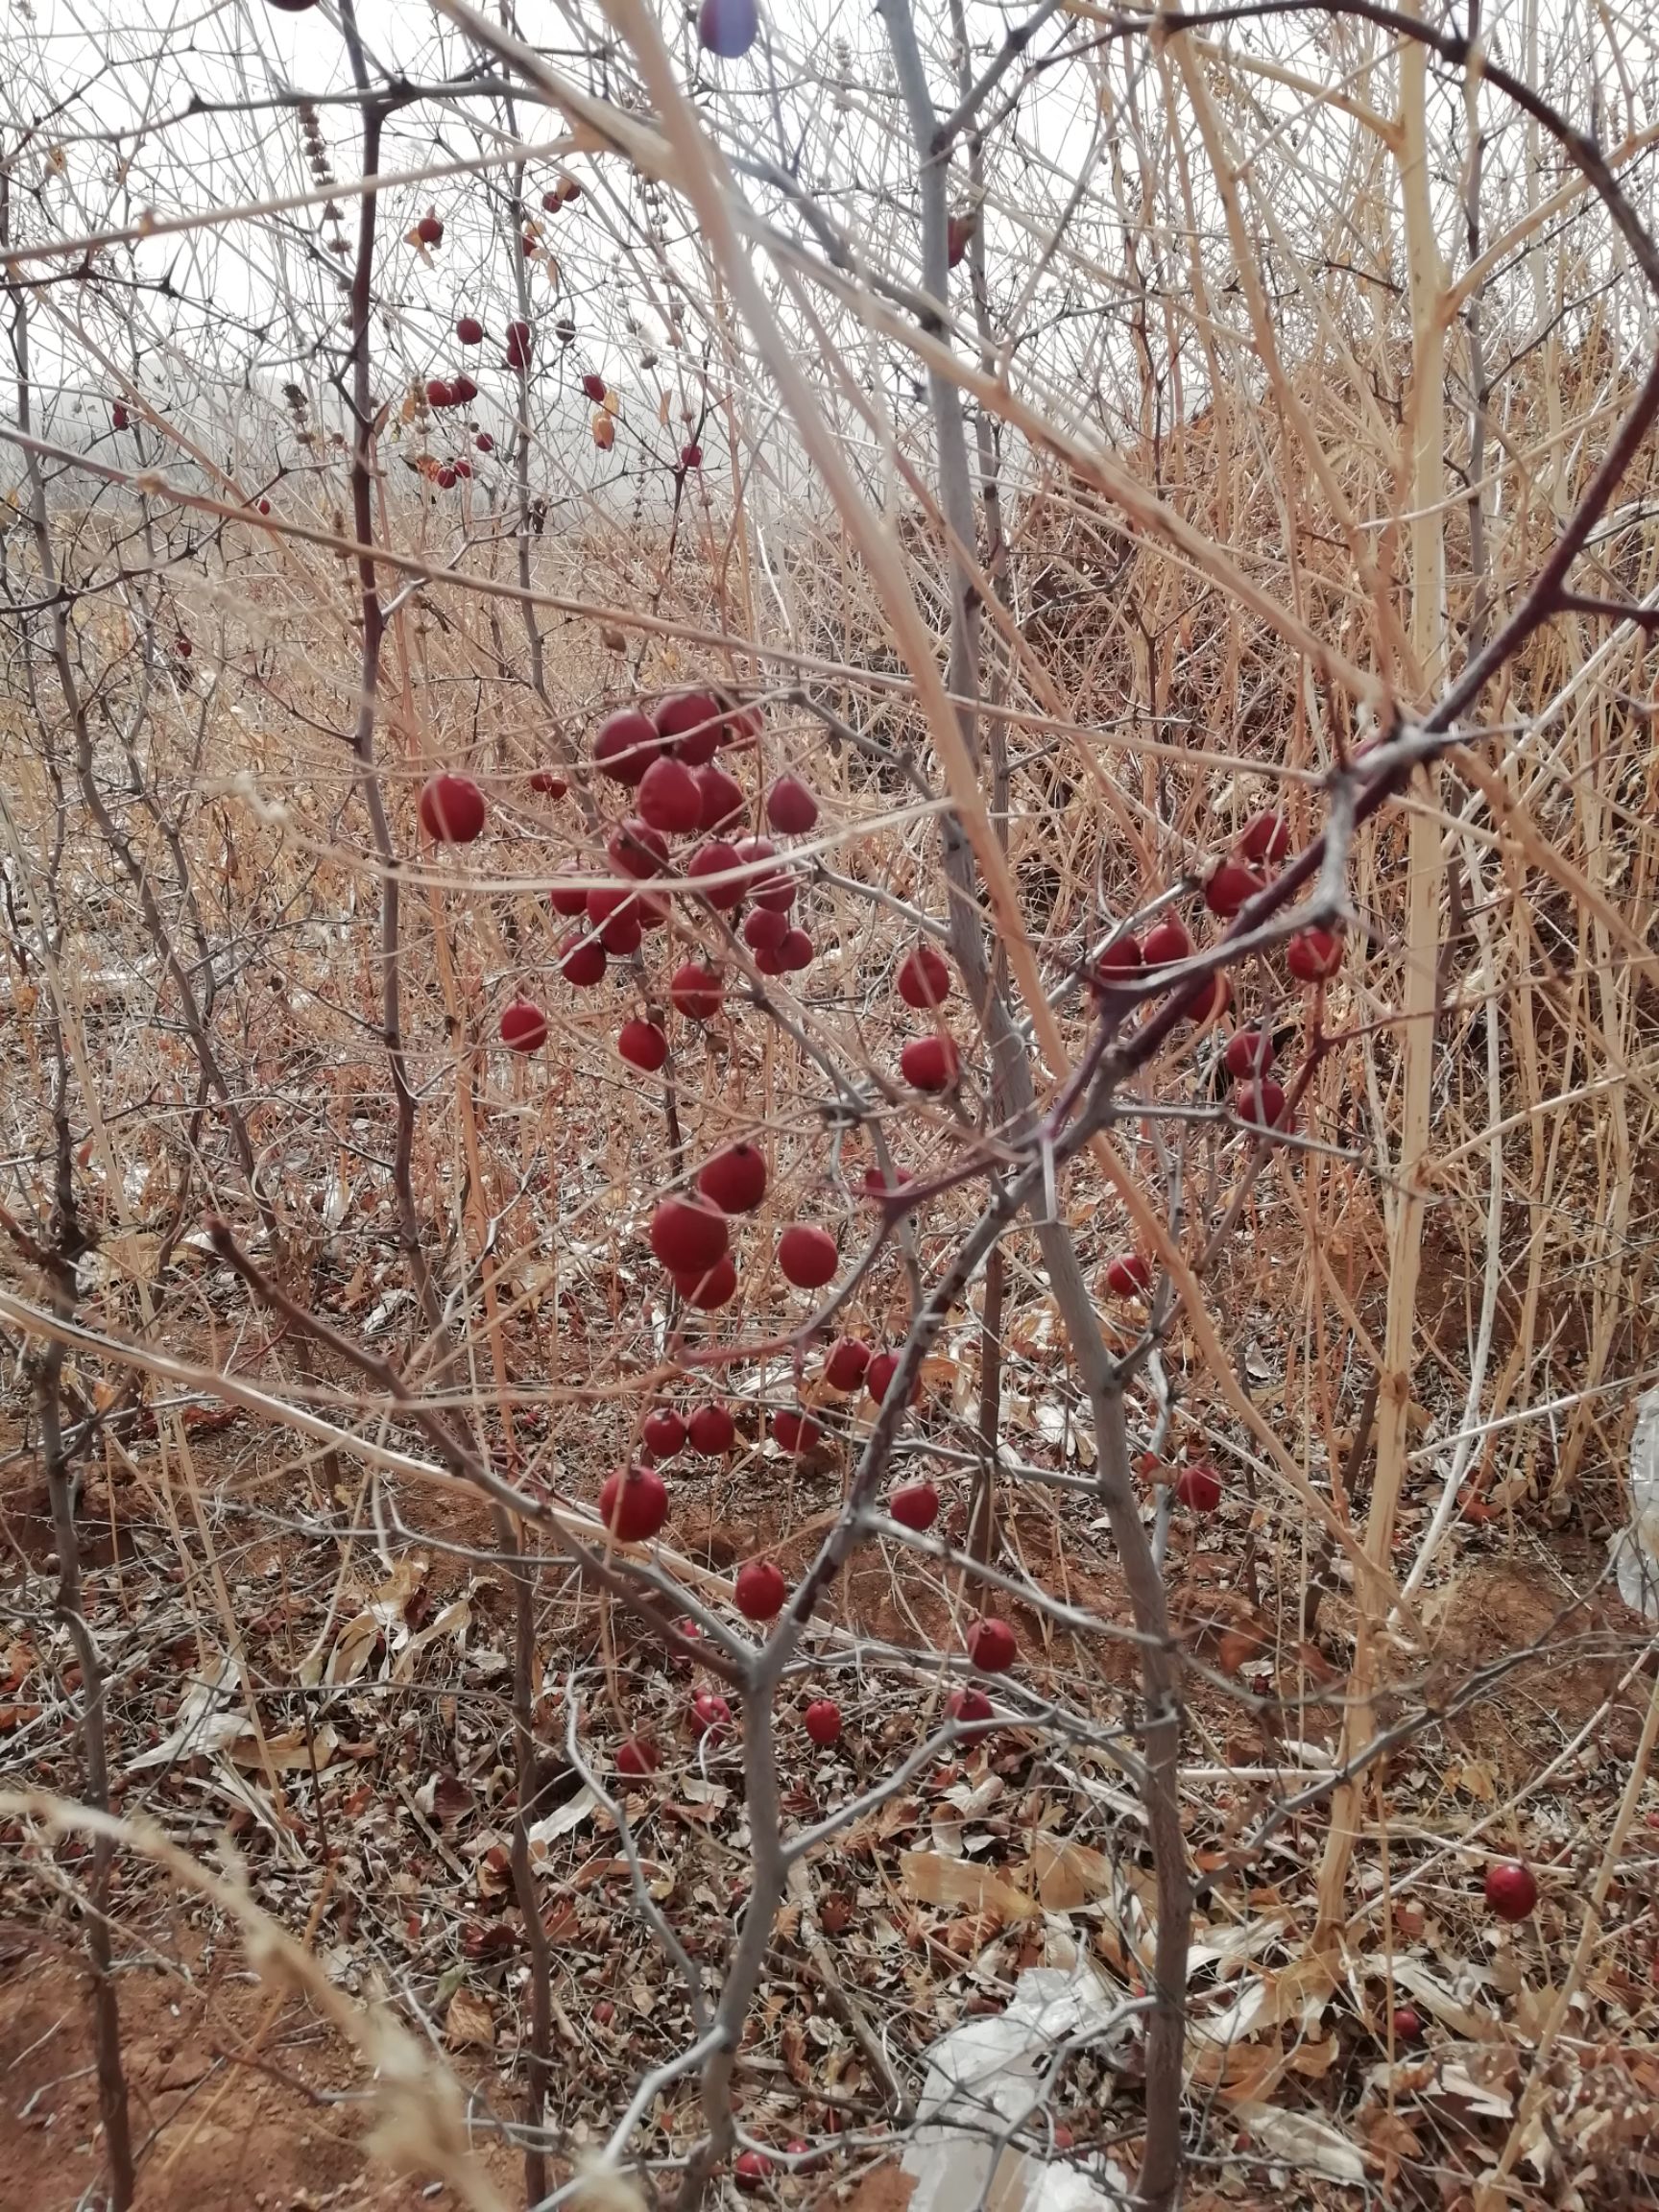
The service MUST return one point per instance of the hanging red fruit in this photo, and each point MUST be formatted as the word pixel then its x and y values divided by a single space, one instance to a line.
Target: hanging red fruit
pixel 709 1288
pixel 633 1503
pixel 625 745
pixel 688 1237
pixel 1129 1275
pixel 795 1432
pixel 1313 956
pixel 1165 943
pixel 790 808
pixel 915 1506
pixel 712 1430
pixel 728 27
pixel 822 1720
pixel 1229 886
pixel 662 1432
pixel 923 977
pixel 523 1026
pixel 760 1590
pixel 735 1180
pixel 696 991
pixel 643 1044
pixel 992 1644
pixel 1198 1486
pixel 1264 837
pixel 451 809
pixel 808 1256
pixel 846 1365
pixel 930 1062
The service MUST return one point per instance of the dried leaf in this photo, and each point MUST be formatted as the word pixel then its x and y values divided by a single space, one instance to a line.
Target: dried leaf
pixel 932 1879
pixel 468 2022
pixel 1068 1875
pixel 1303 2141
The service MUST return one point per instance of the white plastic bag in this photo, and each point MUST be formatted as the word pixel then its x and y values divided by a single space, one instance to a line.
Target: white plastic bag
pixel 1636 1549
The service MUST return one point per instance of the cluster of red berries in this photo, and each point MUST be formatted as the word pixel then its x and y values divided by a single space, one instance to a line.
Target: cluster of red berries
pixel 930 1063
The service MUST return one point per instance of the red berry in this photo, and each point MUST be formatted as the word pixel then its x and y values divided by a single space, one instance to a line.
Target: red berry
pixel 1121 957
pixel 878 1381
pixel 693 722
pixel 182 646
pixel 568 902
pixel 670 796
pixel 550 782
pixel 520 344
pixel 440 392
pixel 1511 1889
pixel 1165 944
pixel 958 234
pixel 643 1044
pixel 847 1363
pixel 970 1709
pixel 795 951
pixel 264 506
pixel 523 1026
pixel 822 1720
pixel 930 1062
pixel 735 1180
pixel 760 1590
pixel 710 1287
pixel 118 415
pixel 430 230
pixel 923 977
pixel 691 456
pixel 469 330
pixel 464 469
pixel 875 1185
pixel 445 479
pixel 1260 1102
pixel 594 387
pixel 1129 1275
pixel 615 915
pixel 634 849
pixel 1200 1487
pixel 638 1755
pixel 808 1256
pixel 1249 1052
pixel 728 27
pixel 696 991
pixel 774 894
pixel 1264 837
pixel 992 1645
pixel 718 859
pixel 790 808
pixel 1408 2024
pixel 1230 887
pixel 688 1237
pixel 451 809
pixel 462 390
pixel 711 1432
pixel 633 1503
pixel 1313 956
pixel 484 442
pixel 795 1432
pixel 722 795
pixel 915 1506
pixel 742 725
pixel 764 931
pixel 625 744
pixel 752 2167
pixel 752 850
pixel 664 1433
pixel 710 1713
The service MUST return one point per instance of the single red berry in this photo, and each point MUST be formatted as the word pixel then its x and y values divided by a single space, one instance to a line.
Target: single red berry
pixel 1165 943
pixel 638 1755
pixel 717 859
pixel 877 1186
pixel 1230 887
pixel 753 2167
pixel 696 991
pixel 664 1433
pixel 691 456
pixel 722 796
pixel 464 469
pixel 643 1044
pixel 958 234
pixel 264 506
pixel 1121 957
pixel 846 1366
pixel 634 849
pixel 469 330
pixel 711 1432
pixel 182 646
pixel 992 1644
pixel 1511 1889
pixel 915 1506
pixel 440 392
pixel 795 949
pixel 625 744
pixel 794 1432
pixel 1206 1000
pixel 735 1180
pixel 520 344
pixel 593 388
pixel 670 796
pixel 568 902
pixel 808 1256
pixel 751 850
pixel 445 479
pixel 923 977
pixel 685 1237
pixel 1313 956
pixel 451 809
pixel 790 808
pixel 823 1718
pixel 774 894
pixel 633 1503
pixel 1200 1487
pixel 1264 837
pixel 462 390
pixel 764 931
pixel 694 721
pixel 710 1287
pixel 484 442
pixel 760 1590
pixel 970 1709
pixel 430 229
pixel 523 1026
pixel 1260 1102
pixel 118 415
pixel 1249 1052
pixel 1408 2024
pixel 728 27
pixel 878 1381
pixel 711 1714
pixel 930 1062
pixel 1129 1275
pixel 616 916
